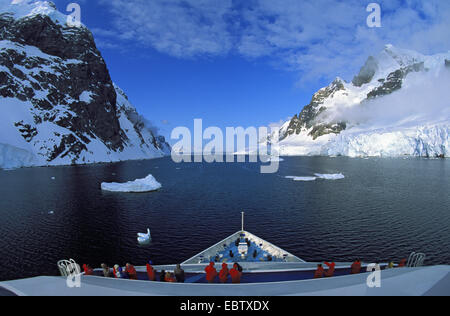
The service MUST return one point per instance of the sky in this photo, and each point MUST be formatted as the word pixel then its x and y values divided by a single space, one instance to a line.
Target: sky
pixel 247 62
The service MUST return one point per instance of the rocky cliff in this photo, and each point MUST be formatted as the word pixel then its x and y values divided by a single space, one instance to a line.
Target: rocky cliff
pixel 58 102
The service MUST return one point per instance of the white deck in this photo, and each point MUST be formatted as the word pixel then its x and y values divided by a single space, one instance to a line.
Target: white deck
pixel 405 281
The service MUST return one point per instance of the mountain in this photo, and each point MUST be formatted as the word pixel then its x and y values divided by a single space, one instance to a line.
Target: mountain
pixel 398 105
pixel 58 104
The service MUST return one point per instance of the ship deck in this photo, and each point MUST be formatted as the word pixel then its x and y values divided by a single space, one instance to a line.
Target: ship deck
pixel 425 281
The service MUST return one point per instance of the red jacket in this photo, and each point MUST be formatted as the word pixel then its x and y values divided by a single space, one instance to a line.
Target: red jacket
pixel 87 270
pixel 319 273
pixel 223 274
pixel 356 267
pixel 330 271
pixel 151 273
pixel 132 272
pixel 170 279
pixel 235 275
pixel 211 272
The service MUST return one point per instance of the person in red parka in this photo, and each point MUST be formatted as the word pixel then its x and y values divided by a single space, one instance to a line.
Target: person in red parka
pixel 151 272
pixel 330 272
pixel 88 270
pixel 235 274
pixel 223 274
pixel 319 272
pixel 211 272
pixel 356 267
pixel 169 277
pixel 131 272
pixel 402 263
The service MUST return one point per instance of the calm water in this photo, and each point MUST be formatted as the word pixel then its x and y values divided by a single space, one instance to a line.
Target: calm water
pixel 382 210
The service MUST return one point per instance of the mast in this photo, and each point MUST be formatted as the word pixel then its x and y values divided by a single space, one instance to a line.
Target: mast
pixel 243 221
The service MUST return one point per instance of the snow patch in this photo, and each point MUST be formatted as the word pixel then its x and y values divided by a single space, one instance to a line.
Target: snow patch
pixel 147 184
pixel 86 97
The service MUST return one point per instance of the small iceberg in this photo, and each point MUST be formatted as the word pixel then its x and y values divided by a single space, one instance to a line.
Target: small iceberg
pixel 144 239
pixel 306 179
pixel 147 184
pixel 337 176
pixel 275 159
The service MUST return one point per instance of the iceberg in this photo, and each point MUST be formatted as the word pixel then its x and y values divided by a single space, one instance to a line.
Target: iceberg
pixel 306 179
pixel 337 176
pixel 147 184
pixel 276 159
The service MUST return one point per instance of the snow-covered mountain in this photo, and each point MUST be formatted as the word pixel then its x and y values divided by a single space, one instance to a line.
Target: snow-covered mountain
pixel 58 104
pixel 399 104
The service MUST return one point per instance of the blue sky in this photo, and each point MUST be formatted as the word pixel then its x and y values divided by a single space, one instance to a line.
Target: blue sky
pixel 247 62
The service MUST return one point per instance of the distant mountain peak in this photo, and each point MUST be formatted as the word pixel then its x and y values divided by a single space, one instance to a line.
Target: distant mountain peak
pixel 20 9
pixel 336 108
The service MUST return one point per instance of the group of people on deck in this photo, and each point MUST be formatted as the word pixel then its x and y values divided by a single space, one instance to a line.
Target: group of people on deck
pixel 320 272
pixel 354 269
pixel 235 273
pixel 176 277
pixel 129 272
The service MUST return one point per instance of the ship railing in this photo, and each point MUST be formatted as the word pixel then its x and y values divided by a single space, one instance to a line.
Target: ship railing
pixel 68 267
pixel 415 260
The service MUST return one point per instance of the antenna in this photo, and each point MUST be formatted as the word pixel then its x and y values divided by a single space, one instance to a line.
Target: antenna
pixel 243 221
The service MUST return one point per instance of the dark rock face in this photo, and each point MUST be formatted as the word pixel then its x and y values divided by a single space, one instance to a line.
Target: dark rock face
pixel 306 119
pixel 447 63
pixel 394 81
pixel 55 83
pixel 325 129
pixel 367 72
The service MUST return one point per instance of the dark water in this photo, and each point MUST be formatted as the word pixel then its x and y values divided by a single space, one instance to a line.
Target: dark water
pixel 382 210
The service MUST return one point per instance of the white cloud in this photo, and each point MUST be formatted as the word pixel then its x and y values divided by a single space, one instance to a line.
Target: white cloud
pixel 423 99
pixel 319 39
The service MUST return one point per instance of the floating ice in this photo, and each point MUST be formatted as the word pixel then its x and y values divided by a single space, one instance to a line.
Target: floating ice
pixel 144 238
pixel 147 184
pixel 306 179
pixel 276 159
pixel 337 176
